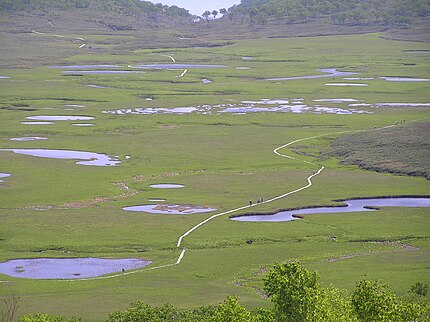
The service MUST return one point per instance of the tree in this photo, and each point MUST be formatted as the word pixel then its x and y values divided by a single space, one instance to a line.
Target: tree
pixel 214 13
pixel 293 291
pixel 231 311
pixel 373 301
pixel 47 318
pixel 420 289
pixel 206 15
pixel 223 11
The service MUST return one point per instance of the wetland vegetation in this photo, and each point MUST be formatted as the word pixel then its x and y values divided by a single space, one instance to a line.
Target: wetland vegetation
pixel 165 128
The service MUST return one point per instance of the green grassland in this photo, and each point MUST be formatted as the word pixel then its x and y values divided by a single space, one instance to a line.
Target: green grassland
pixel 224 160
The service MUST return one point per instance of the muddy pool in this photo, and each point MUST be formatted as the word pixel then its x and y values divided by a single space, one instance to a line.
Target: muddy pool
pixel 354 205
pixel 170 209
pixel 68 268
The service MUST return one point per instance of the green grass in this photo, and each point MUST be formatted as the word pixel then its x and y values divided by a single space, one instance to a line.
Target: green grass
pixel 224 160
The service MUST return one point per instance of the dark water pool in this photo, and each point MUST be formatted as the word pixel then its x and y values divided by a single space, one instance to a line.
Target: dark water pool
pixel 355 205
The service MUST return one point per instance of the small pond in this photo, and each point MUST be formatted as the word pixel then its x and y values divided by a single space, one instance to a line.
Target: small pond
pixel 170 209
pixel 404 79
pixel 28 138
pixel 85 66
pixel 68 268
pixel 330 72
pixel 37 123
pixel 74 105
pixel 167 186
pixel 404 104
pixel 176 66
pixel 355 205
pixel 4 175
pixel 60 118
pixel 4 77
pixel 99 72
pixel 156 199
pixel 206 81
pixel 83 124
pixel 90 158
pixel 347 84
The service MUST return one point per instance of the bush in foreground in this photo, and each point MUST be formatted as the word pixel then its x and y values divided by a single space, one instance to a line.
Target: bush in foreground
pixel 297 296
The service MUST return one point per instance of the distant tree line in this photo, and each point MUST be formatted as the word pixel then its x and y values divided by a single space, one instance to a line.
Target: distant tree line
pixel 338 12
pixel 119 6
pixel 297 296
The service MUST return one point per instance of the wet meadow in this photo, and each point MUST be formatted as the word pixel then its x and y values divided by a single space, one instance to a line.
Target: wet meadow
pixel 212 131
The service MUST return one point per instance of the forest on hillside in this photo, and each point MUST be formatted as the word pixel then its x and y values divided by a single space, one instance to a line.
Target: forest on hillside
pixel 338 12
pixel 115 6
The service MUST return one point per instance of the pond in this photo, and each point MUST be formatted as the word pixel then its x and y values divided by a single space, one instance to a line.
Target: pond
pixel 90 158
pixel 170 209
pixel 99 72
pixel 4 175
pixel 37 123
pixel 60 118
pixel 330 72
pixel 83 124
pixel 4 77
pixel 28 138
pixel 261 106
pixel 354 205
pixel 176 66
pixel 167 186
pixel 404 79
pixel 85 66
pixel 347 84
pixel 68 268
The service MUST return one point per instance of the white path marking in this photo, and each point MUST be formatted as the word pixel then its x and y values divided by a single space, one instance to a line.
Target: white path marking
pixel 58 36
pixel 183 73
pixel 173 59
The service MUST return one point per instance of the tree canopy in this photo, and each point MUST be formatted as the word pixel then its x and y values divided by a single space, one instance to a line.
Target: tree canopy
pixel 297 296
pixel 338 11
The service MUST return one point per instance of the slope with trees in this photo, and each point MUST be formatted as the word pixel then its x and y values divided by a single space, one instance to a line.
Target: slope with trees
pixel 338 12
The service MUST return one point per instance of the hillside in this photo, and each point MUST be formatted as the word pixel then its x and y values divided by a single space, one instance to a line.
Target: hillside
pixel 338 12
pixel 116 15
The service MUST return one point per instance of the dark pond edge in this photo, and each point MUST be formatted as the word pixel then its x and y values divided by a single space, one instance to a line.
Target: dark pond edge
pixel 328 206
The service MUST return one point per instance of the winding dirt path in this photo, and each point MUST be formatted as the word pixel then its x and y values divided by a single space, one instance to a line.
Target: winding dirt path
pixel 60 36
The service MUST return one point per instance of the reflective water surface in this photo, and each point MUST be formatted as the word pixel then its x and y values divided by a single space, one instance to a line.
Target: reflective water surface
pixel 170 209
pixel 68 268
pixel 90 158
pixel 355 205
